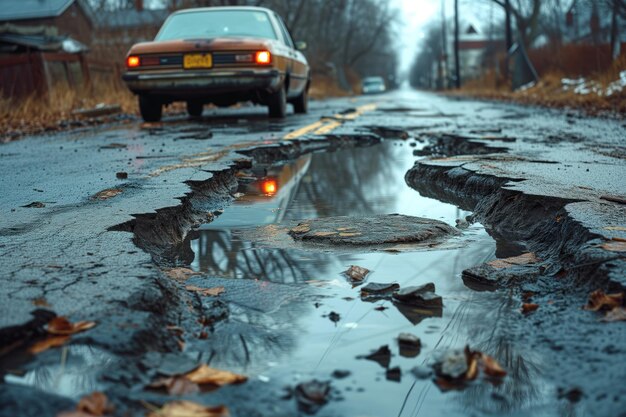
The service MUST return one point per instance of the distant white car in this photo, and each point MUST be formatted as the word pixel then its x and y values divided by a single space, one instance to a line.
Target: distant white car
pixel 373 85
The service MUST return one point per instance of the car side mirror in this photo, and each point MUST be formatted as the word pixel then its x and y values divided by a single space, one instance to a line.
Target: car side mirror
pixel 301 46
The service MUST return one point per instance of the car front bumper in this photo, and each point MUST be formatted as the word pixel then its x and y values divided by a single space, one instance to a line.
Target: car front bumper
pixel 198 83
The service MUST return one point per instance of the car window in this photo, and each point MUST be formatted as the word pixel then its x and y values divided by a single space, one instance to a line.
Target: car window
pixel 285 32
pixel 217 23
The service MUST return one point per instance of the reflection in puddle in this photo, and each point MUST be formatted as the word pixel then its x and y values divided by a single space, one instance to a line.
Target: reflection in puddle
pixel 74 373
pixel 364 181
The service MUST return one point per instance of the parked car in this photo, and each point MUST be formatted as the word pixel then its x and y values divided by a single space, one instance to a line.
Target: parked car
pixel 219 55
pixel 372 85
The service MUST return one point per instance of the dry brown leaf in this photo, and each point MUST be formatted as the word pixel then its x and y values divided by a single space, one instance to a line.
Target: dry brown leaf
pixel 598 300
pixel 213 292
pixel 525 259
pixel 180 274
pixel 615 245
pixel 529 307
pixel 357 273
pixel 189 409
pixel 108 193
pixel 491 367
pixel 62 326
pixel 47 343
pixel 40 302
pixel 472 368
pixel 178 385
pixel 616 314
pixel 94 404
pixel 302 228
pixel 350 234
pixel 206 375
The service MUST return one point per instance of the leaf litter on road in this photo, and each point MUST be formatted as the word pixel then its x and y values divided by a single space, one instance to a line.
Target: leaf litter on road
pixel 212 292
pixel 95 404
pixel 189 409
pixel 201 377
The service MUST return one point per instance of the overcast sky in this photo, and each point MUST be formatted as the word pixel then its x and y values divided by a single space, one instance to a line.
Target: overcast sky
pixel 416 15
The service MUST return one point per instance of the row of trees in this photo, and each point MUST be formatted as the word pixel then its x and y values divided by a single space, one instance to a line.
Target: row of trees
pixel 544 24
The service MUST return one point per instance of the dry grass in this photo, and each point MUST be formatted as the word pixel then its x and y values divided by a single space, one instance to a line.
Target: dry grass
pixel 54 112
pixel 549 90
pixel 325 86
pixel 34 115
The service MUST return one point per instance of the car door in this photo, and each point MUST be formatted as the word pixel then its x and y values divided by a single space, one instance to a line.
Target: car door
pixel 298 67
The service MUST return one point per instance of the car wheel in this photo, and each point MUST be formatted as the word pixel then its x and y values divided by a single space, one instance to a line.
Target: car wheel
pixel 301 103
pixel 194 108
pixel 277 103
pixel 151 109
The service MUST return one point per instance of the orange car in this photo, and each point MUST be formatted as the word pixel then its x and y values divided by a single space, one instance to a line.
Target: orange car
pixel 219 55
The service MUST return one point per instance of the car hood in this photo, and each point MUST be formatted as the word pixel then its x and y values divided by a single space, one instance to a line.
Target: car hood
pixel 212 44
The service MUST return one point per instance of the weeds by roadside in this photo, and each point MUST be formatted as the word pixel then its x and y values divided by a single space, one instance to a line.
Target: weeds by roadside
pixel 553 90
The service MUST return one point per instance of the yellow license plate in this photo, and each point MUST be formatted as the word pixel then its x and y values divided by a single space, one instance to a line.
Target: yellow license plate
pixel 197 61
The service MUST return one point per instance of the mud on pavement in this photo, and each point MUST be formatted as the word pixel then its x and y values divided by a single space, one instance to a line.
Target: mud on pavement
pixel 206 272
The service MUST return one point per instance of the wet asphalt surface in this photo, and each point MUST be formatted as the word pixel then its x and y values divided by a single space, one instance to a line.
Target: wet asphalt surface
pixel 106 259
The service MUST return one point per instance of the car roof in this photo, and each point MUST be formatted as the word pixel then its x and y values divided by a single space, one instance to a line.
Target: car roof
pixel 223 8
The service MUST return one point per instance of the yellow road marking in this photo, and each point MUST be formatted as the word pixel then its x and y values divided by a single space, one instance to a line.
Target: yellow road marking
pixel 327 125
pixel 304 130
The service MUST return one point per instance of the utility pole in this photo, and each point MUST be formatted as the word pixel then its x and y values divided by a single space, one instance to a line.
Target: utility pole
pixel 509 36
pixel 444 49
pixel 457 64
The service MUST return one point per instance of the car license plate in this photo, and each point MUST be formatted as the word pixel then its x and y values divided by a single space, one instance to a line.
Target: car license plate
pixel 197 61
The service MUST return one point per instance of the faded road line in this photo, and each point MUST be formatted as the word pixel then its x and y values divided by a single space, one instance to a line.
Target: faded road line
pixel 328 124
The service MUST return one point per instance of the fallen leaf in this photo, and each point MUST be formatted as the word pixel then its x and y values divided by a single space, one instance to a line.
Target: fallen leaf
pixel 47 343
pixel 178 385
pixel 213 292
pixel 180 274
pixel 350 234
pixel 189 409
pixel 62 326
pixel 525 259
pixel 301 228
pixel 491 367
pixel 356 273
pixel 598 300
pixel 95 404
pixel 616 314
pixel 41 302
pixel 529 307
pixel 615 245
pixel 206 375
pixel 106 194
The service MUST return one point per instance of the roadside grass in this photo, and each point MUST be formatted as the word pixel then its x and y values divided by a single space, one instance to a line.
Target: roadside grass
pixel 549 90
pixel 36 114
pixel 53 112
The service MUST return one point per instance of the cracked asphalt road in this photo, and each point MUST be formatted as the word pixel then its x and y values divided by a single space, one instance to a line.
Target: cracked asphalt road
pixel 73 256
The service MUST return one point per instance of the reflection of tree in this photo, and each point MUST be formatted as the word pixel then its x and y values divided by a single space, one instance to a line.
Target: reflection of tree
pixel 348 182
pixel 74 375
pixel 220 254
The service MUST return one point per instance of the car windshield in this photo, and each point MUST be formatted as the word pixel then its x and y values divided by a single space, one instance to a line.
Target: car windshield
pixel 374 81
pixel 217 23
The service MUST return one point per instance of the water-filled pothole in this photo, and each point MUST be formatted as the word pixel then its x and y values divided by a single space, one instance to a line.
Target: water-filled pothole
pixel 330 326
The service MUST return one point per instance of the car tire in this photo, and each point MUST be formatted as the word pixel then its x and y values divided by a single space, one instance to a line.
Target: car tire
pixel 301 103
pixel 150 108
pixel 195 108
pixel 277 104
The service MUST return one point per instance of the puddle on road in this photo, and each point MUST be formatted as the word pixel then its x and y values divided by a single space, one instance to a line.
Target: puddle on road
pixel 366 181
